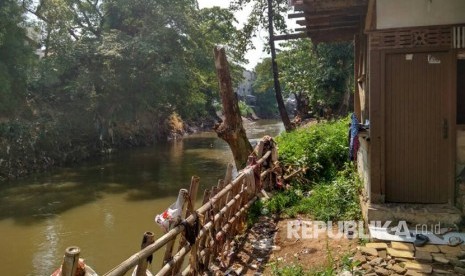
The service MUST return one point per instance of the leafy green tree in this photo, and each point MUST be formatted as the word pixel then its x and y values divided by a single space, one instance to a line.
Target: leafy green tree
pixel 258 19
pixel 16 58
pixel 263 88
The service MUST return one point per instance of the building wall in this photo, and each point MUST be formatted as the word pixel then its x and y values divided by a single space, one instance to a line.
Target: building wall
pixel 363 166
pixel 408 13
pixel 460 149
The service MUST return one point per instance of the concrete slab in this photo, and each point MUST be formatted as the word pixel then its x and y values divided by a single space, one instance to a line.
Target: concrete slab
pixel 429 215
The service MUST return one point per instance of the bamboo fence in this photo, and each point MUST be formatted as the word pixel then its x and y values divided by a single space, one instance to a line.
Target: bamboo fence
pixel 206 234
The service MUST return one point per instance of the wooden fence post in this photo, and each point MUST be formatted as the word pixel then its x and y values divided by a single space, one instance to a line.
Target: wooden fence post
pixel 70 261
pixel 193 189
pixel 147 239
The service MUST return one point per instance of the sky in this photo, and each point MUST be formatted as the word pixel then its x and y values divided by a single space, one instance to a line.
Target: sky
pixel 256 55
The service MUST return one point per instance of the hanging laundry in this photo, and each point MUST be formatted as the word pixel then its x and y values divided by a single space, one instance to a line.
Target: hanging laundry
pixel 354 143
pixel 172 215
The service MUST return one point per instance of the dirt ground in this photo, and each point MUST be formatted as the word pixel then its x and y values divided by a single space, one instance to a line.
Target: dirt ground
pixel 267 245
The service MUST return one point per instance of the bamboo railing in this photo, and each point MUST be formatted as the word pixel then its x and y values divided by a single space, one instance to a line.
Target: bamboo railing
pixel 220 218
pixel 211 229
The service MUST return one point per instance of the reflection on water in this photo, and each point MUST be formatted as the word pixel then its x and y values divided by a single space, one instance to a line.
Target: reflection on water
pixel 105 206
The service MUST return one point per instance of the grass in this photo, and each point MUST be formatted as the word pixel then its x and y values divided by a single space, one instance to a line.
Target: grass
pixel 328 191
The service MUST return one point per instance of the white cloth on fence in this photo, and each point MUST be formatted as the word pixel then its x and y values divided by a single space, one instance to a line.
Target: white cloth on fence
pixel 261 144
pixel 249 180
pixel 172 214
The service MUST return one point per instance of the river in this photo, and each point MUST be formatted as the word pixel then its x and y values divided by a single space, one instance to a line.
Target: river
pixel 104 206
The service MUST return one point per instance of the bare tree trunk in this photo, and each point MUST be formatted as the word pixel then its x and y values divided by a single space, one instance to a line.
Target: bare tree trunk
pixel 231 129
pixel 277 86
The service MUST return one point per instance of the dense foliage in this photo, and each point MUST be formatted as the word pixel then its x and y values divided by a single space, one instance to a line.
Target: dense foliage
pixel 319 78
pixel 330 187
pixel 110 74
pixel 321 148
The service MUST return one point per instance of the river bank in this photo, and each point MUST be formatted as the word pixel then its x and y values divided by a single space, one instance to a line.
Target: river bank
pixel 28 147
pixel 104 205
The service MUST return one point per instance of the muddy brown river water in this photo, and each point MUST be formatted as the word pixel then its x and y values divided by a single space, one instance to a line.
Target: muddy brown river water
pixel 104 206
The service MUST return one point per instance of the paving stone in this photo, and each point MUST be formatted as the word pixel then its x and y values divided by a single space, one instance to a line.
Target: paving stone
pixel 424 268
pixel 451 257
pixel 431 248
pixel 377 245
pixel 441 271
pixel 440 258
pixel 382 271
pixel 402 246
pixel 457 263
pixel 376 262
pixel 368 268
pixel 400 253
pixel 423 256
pixel 358 257
pixel 459 270
pixel 369 251
pixel 413 273
pixel 452 250
pixel 398 269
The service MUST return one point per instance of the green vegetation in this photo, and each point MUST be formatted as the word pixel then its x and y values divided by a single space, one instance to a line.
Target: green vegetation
pixel 322 149
pixel 111 74
pixel 320 78
pixel 330 187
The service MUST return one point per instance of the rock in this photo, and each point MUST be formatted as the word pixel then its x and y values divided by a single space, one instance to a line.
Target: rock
pixel 402 246
pixel 431 248
pixel 440 258
pixel 345 273
pixel 460 270
pixel 424 268
pixel 457 263
pixel 382 254
pixel 376 245
pixel 276 248
pixel 413 273
pixel 368 268
pixel 441 271
pixel 400 253
pixel 369 251
pixel 451 257
pixel 451 250
pixel 376 262
pixel 382 271
pixel 398 269
pixel 358 257
pixel 423 256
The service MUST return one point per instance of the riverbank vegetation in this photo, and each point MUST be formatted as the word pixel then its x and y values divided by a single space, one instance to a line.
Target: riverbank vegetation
pixel 329 188
pixel 84 78
pixel 80 78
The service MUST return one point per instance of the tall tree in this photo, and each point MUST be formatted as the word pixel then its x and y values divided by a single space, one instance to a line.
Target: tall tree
pixel 277 86
pixel 259 20
pixel 231 129
pixel 16 57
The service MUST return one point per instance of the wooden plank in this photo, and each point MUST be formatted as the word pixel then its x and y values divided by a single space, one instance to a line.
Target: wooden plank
pixel 359 10
pixel 334 4
pixel 290 36
pixel 336 27
pixel 296 15
pixel 376 122
pixel 370 20
pixel 317 20
pixel 357 105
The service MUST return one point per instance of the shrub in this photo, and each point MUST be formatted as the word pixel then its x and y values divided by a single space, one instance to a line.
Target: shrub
pixel 321 148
